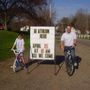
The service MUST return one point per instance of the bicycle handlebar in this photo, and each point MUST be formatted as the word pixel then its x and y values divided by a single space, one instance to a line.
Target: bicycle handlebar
pixel 15 51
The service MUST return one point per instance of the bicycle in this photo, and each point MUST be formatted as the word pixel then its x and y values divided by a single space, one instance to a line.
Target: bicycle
pixel 17 64
pixel 70 68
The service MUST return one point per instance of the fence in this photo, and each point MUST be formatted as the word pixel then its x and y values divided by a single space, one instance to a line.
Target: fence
pixel 83 36
pixel 79 36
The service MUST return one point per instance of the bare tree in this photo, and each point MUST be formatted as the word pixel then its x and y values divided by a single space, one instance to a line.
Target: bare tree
pixel 12 8
pixel 5 6
pixel 63 23
pixel 80 20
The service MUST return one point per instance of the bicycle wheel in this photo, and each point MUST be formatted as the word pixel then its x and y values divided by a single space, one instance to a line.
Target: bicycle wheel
pixel 70 66
pixel 16 66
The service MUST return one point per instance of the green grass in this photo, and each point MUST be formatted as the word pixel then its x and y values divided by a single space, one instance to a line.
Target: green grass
pixel 6 41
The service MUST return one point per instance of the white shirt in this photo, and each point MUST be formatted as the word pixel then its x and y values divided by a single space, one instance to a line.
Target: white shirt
pixel 68 38
pixel 19 44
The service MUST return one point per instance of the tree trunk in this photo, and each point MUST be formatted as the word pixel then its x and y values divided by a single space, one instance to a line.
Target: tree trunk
pixel 5 22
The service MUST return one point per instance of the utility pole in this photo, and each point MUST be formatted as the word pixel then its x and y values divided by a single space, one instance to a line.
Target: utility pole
pixel 50 11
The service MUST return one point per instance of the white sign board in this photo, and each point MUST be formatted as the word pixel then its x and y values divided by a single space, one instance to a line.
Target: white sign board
pixel 42 43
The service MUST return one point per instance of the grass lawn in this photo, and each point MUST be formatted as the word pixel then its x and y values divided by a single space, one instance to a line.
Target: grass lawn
pixel 6 41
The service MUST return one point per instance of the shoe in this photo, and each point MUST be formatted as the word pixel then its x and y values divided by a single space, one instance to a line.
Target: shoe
pixel 26 70
pixel 11 66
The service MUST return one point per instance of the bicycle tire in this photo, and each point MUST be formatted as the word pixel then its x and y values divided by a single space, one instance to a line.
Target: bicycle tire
pixel 70 67
pixel 16 66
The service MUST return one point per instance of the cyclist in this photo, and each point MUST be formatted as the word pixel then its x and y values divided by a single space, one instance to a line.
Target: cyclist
pixel 69 39
pixel 19 45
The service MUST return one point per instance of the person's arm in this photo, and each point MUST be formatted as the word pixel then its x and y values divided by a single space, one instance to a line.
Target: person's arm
pixel 62 42
pixel 75 40
pixel 62 45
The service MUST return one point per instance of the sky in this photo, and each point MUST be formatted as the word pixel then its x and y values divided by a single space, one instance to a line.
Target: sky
pixel 67 8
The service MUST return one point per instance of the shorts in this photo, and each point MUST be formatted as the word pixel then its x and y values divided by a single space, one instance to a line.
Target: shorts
pixel 21 54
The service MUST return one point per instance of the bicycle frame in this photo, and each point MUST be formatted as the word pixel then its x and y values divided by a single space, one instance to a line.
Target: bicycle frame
pixel 69 61
pixel 16 64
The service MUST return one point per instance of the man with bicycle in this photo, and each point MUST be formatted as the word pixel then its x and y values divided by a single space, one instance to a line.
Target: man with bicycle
pixel 68 40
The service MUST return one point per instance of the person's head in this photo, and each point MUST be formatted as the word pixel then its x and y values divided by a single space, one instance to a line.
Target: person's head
pixel 68 29
pixel 20 36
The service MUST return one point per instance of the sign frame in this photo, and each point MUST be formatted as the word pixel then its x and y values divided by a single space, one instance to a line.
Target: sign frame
pixel 42 39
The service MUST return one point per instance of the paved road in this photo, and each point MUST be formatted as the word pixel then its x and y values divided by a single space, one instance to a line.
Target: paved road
pixel 41 77
pixel 85 42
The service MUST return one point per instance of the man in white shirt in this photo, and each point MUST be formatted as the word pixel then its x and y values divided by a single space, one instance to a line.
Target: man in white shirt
pixel 68 39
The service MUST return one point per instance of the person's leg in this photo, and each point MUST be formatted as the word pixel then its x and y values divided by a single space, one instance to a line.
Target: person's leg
pixel 73 53
pixel 24 62
pixel 65 55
